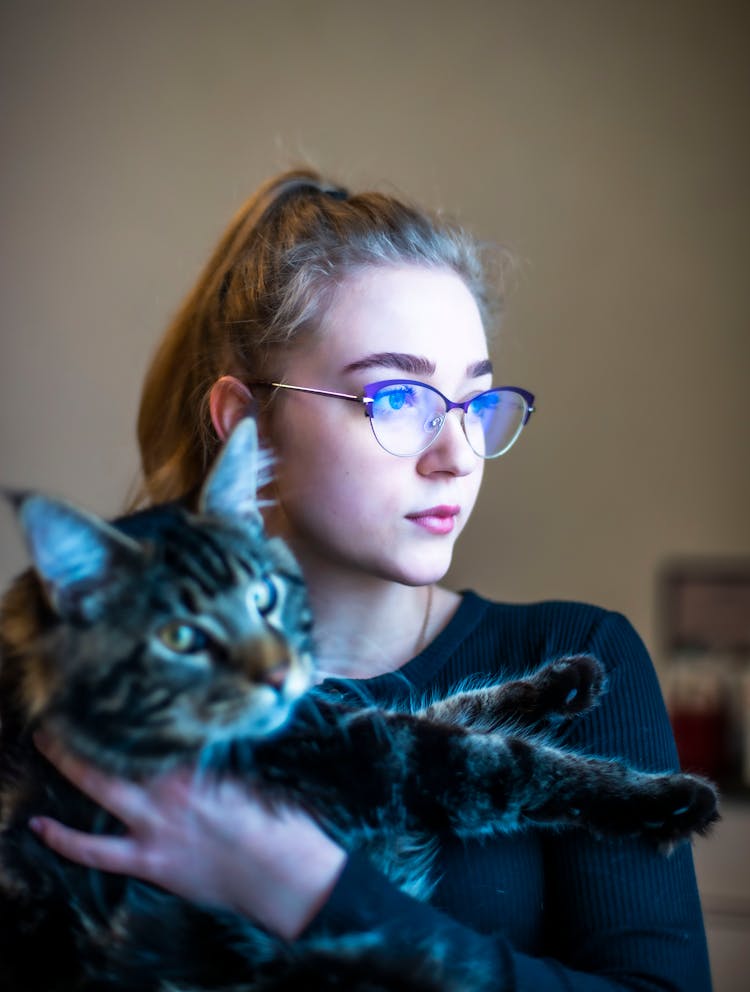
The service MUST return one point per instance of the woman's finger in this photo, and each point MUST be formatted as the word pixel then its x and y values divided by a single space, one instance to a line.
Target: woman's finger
pixel 125 800
pixel 107 853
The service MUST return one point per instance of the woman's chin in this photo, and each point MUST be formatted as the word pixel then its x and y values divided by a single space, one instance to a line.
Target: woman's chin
pixel 426 572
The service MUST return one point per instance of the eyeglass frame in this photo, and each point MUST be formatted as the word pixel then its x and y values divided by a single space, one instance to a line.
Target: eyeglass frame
pixel 368 396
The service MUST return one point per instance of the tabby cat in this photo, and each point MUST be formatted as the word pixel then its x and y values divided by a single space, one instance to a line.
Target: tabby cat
pixel 173 637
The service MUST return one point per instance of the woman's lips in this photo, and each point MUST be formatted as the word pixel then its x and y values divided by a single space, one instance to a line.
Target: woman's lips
pixel 436 520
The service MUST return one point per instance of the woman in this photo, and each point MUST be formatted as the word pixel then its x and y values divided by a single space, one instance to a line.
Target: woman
pixel 316 308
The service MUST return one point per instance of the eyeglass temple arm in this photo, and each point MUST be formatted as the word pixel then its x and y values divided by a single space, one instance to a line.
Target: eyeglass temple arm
pixel 320 392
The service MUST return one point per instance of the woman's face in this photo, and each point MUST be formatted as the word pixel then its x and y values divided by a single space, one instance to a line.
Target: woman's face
pixel 347 504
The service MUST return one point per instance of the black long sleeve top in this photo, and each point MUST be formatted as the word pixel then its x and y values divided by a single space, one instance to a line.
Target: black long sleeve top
pixel 549 911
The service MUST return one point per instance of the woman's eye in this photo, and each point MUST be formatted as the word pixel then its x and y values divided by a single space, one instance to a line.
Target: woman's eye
pixel 395 399
pixel 183 638
pixel 263 596
pixel 485 404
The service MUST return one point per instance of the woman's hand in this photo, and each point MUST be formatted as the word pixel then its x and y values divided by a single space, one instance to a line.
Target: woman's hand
pixel 210 840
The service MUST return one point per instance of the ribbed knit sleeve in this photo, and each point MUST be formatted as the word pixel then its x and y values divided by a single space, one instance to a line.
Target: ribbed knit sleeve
pixel 547 911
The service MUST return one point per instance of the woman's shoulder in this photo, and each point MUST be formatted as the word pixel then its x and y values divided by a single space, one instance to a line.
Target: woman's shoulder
pixel 518 637
pixel 513 640
pixel 543 611
pixel 557 619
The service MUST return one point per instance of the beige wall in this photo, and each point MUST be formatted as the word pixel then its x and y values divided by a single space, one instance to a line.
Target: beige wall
pixel 606 142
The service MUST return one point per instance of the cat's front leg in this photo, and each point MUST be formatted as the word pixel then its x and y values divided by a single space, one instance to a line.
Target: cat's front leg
pixel 564 688
pixel 479 784
pixel 611 799
pixel 346 765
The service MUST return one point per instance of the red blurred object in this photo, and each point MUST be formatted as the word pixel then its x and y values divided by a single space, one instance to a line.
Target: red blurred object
pixel 698 700
pixel 702 740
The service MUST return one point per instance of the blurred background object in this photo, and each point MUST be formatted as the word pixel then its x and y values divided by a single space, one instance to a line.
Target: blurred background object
pixel 704 606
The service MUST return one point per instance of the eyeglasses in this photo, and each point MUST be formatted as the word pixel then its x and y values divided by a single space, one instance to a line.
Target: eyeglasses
pixel 406 416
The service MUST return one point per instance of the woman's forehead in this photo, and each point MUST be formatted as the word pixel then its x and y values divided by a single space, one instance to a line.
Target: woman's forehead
pixel 410 291
pixel 426 317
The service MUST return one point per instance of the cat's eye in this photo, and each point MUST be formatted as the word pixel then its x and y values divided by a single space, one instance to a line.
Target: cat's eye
pixel 183 638
pixel 263 596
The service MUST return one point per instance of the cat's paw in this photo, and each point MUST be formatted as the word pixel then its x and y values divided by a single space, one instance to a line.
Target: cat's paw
pixel 681 805
pixel 570 686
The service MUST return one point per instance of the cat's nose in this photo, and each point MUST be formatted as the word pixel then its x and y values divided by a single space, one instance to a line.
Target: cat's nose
pixel 276 675
pixel 264 660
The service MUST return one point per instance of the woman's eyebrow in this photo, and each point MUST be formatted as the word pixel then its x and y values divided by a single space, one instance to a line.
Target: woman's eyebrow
pixel 411 364
pixel 480 368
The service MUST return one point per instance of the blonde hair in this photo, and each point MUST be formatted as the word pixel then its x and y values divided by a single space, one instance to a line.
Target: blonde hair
pixel 266 283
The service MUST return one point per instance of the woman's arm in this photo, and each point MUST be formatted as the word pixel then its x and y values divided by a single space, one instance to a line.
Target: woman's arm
pixel 623 908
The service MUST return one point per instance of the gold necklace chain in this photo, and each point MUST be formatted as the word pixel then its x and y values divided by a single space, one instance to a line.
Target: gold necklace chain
pixel 425 622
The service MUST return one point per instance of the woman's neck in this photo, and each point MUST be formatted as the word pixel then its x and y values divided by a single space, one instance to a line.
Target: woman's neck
pixel 367 628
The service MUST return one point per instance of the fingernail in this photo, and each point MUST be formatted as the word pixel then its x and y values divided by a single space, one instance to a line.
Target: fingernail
pixel 36 824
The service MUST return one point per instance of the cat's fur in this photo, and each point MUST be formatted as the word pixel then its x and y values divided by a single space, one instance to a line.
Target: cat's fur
pixel 176 637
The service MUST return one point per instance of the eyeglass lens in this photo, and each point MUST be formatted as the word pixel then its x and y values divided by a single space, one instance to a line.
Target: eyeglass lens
pixel 406 417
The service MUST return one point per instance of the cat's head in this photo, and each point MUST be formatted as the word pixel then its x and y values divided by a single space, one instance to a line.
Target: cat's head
pixel 145 641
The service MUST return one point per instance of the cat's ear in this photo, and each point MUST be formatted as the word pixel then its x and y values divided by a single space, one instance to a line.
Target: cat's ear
pixel 75 554
pixel 241 469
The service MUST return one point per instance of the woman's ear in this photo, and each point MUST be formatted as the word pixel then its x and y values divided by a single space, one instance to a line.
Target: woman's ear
pixel 230 400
